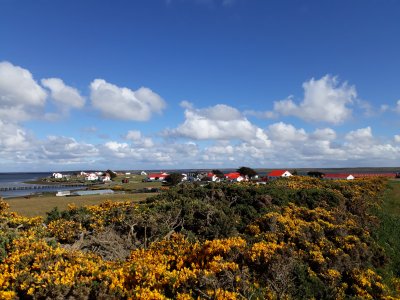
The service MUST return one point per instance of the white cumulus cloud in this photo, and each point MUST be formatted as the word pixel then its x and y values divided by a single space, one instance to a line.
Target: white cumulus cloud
pixel 219 122
pixel 325 134
pixel 123 103
pixel 67 149
pixel 286 132
pixel 362 135
pixel 63 95
pixel 325 100
pixel 138 139
pixel 21 97
pixel 12 137
pixel 133 135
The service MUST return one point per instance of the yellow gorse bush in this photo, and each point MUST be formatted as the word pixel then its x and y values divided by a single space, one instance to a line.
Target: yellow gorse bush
pixel 258 264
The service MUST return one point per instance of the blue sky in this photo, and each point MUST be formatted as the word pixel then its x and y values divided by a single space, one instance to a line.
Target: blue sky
pixel 166 84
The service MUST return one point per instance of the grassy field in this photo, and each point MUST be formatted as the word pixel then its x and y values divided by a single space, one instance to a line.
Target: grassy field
pixel 38 206
pixel 388 234
pixel 391 204
pixel 135 182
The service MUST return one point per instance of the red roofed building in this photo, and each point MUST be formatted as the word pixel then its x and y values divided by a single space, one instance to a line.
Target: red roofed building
pixel 235 176
pixel 278 173
pixel 157 176
pixel 211 176
pixel 339 176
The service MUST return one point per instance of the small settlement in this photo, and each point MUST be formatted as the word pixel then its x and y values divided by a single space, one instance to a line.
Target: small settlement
pixel 91 176
pixel 218 176
pixel 274 174
pixel 228 177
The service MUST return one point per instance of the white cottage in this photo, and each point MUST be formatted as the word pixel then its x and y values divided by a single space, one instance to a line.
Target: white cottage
pixel 57 175
pixel 91 177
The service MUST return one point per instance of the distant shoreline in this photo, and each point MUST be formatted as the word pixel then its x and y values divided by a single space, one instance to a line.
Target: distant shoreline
pixel 42 182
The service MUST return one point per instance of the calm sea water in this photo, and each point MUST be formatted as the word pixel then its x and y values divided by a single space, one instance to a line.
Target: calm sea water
pixel 18 179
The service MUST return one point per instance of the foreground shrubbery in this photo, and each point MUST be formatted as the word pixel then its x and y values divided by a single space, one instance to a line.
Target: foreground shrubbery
pixel 300 238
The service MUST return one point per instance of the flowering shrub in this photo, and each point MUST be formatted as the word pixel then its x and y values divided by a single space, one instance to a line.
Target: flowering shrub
pixel 332 244
pixel 311 240
pixel 63 230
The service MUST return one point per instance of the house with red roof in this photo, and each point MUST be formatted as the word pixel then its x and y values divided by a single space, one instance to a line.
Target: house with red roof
pixel 157 176
pixel 234 177
pixel 278 173
pixel 212 177
pixel 338 176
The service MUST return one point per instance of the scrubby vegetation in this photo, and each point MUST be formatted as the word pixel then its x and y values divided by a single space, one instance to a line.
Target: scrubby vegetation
pixel 297 238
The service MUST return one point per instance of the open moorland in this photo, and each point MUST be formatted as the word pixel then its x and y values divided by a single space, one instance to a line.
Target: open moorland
pixel 294 238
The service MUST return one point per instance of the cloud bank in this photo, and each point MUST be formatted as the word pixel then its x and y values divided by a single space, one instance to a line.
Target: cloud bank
pixel 219 122
pixel 215 136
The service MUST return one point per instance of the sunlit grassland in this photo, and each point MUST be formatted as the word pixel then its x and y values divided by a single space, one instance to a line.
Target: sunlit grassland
pixel 388 233
pixel 391 201
pixel 38 206
pixel 135 182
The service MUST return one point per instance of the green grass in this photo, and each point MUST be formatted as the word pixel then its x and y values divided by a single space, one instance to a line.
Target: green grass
pixel 388 233
pixel 135 183
pixel 38 206
pixel 391 201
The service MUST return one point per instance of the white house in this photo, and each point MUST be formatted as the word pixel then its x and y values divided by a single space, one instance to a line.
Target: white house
pixel 91 177
pixel 57 175
pixel 105 178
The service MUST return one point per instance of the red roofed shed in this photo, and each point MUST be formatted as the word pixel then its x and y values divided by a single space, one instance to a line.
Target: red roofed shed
pixel 234 176
pixel 279 173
